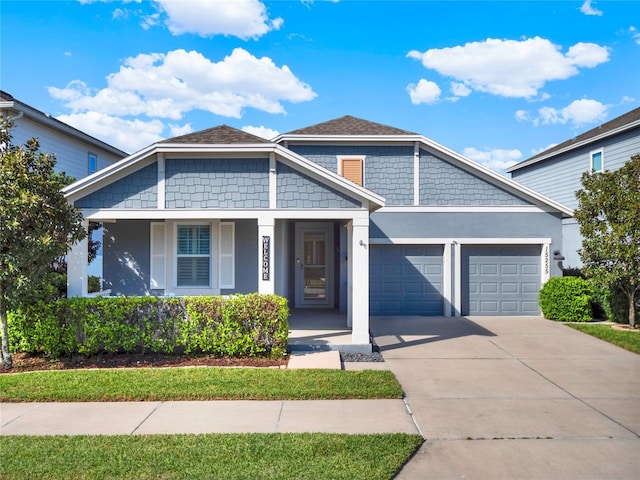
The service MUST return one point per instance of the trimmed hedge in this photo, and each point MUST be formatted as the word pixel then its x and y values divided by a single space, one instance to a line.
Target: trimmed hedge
pixel 567 299
pixel 238 326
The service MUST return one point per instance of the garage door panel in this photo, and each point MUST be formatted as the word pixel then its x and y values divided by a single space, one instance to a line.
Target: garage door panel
pixel 407 279
pixel 500 280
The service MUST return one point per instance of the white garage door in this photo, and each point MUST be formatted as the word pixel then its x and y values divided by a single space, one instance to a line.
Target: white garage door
pixel 405 280
pixel 500 280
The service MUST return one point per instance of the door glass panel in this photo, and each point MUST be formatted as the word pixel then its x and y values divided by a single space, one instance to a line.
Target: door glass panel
pixel 314 268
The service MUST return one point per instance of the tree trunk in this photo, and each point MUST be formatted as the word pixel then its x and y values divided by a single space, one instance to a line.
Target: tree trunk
pixel 632 309
pixel 7 358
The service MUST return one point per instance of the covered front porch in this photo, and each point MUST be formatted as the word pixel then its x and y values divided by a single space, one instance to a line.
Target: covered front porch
pixel 318 330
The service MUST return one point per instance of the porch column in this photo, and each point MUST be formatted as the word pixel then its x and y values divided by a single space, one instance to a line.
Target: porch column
pixel 266 244
pixel 358 297
pixel 77 264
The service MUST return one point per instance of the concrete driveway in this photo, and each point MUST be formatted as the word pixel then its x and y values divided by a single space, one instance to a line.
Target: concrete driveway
pixel 514 398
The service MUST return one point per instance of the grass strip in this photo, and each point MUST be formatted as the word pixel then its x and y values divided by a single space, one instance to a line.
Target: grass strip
pixel 196 384
pixel 627 340
pixel 228 456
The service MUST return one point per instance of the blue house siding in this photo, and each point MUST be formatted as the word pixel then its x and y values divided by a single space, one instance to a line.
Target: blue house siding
pixel 296 190
pixel 217 183
pixel 469 225
pixel 246 257
pixel 442 183
pixel 388 170
pixel 559 177
pixel 126 257
pixel 137 190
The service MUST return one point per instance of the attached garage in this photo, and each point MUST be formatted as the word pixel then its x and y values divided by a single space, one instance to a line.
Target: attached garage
pixel 405 280
pixel 500 280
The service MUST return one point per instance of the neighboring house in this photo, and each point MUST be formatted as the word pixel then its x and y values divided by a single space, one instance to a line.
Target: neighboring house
pixel 556 172
pixel 347 214
pixel 77 154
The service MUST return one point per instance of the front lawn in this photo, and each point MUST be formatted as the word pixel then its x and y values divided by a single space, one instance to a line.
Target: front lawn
pixel 148 384
pixel 627 340
pixel 229 457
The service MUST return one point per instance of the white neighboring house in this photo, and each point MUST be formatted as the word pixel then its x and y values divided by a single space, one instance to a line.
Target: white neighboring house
pixel 556 172
pixel 77 154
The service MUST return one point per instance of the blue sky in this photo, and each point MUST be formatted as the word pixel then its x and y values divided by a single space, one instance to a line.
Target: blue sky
pixel 496 81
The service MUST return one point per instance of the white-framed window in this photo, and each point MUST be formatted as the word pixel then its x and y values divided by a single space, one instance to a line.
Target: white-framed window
pixel 597 160
pixel 193 255
pixel 93 163
pixel 351 167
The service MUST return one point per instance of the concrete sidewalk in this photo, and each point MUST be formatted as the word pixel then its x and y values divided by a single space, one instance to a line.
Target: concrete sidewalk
pixel 138 418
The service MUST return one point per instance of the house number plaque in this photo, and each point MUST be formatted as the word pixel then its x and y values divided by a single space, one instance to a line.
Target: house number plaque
pixel 266 254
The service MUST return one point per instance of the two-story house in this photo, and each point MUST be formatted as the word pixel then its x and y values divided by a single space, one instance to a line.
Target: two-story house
pixel 556 172
pixel 347 214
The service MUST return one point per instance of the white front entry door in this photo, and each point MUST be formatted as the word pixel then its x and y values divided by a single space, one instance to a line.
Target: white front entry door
pixel 314 265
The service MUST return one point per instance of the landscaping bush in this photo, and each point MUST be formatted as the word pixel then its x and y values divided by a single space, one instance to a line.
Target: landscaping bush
pixel 240 326
pixel 567 299
pixel 614 304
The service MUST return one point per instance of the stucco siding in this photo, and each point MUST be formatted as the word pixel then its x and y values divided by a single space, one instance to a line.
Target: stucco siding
pixel 559 178
pixel 442 183
pixel 217 183
pixel 297 190
pixel 126 257
pixel 388 170
pixel 72 155
pixel 137 190
pixel 246 257
pixel 453 226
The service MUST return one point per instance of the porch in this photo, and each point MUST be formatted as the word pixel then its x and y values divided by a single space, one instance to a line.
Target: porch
pixel 321 330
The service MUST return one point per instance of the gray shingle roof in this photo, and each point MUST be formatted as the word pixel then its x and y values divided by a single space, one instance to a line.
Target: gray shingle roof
pixel 222 134
pixel 622 120
pixel 349 125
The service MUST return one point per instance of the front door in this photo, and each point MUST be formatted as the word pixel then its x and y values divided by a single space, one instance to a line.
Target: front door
pixel 314 265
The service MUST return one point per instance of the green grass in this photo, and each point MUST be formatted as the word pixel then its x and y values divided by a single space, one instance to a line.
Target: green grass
pixel 627 340
pixel 196 384
pixel 217 456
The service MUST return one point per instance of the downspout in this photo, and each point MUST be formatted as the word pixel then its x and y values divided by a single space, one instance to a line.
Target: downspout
pixel 12 119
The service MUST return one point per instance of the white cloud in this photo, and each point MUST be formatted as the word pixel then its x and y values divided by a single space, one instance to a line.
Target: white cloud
pixel 579 112
pixel 239 18
pixel 424 92
pixel 635 34
pixel 589 9
pixel 263 132
pixel 497 159
pixel 505 67
pixel 522 115
pixel 127 135
pixel 459 89
pixel 177 130
pixel 169 85
pixel 539 150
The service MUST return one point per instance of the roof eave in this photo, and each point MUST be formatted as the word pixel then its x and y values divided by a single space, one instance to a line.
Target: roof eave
pixel 568 148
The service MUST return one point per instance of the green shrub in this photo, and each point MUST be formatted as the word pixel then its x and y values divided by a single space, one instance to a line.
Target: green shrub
pixel 243 325
pixel 567 299
pixel 93 284
pixel 614 304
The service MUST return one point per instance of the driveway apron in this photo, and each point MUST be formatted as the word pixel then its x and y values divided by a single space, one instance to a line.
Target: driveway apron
pixel 514 398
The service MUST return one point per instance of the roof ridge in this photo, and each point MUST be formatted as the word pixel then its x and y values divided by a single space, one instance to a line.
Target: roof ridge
pixel 220 134
pixel 350 125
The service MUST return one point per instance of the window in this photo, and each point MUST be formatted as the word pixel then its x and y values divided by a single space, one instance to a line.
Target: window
pixel 352 168
pixel 93 163
pixel 193 256
pixel 597 161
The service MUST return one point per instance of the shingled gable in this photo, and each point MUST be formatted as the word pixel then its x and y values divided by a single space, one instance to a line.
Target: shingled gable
pixel 220 135
pixel 349 125
pixel 611 127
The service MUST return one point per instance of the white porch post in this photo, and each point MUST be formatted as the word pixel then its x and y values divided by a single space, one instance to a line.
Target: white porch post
pixel 358 298
pixel 77 264
pixel 266 250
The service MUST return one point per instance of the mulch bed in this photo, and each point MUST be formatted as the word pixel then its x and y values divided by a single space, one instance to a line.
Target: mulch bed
pixel 29 363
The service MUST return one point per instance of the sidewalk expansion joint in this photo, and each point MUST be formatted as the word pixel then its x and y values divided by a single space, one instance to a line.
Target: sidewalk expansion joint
pixel 413 419
pixel 36 406
pixel 155 409
pixel 277 425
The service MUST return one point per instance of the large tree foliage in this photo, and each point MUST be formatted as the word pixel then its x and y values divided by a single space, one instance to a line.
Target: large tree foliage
pixel 37 224
pixel 609 217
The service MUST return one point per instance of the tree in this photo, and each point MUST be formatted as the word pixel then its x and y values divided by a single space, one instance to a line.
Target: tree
pixel 609 217
pixel 37 224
